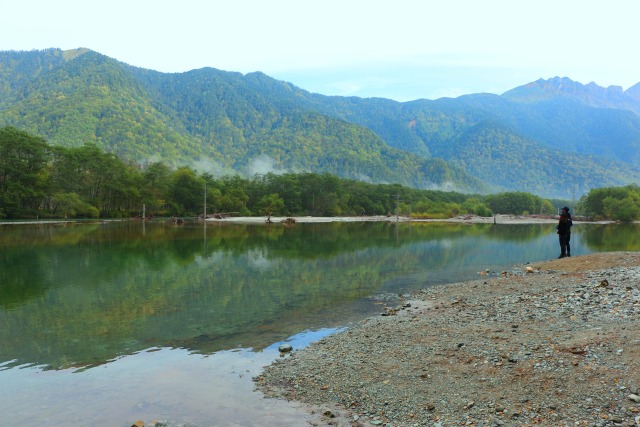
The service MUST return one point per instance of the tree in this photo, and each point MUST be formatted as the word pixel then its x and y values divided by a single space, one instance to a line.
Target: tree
pixel 515 203
pixel 23 173
pixel 156 182
pixel 100 179
pixel 593 203
pixel 235 200
pixel 625 210
pixel 271 204
pixel 187 192
pixel 477 207
pixel 70 205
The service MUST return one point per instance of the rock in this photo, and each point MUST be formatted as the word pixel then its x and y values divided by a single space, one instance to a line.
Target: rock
pixel 329 414
pixel 285 348
pixel 551 327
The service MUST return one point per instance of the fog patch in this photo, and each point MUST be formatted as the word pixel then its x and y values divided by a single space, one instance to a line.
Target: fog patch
pixel 216 169
pixel 365 178
pixel 444 186
pixel 263 165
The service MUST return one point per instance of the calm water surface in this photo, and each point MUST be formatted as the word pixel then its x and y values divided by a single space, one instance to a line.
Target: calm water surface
pixel 105 323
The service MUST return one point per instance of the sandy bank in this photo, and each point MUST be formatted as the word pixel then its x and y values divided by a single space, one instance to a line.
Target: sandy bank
pixel 471 219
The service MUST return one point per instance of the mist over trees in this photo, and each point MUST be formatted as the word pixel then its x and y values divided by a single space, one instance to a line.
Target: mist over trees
pixel 554 138
pixel 38 180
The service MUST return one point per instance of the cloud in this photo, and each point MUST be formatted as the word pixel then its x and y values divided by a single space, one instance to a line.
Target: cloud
pixel 262 165
pixel 367 179
pixel 205 165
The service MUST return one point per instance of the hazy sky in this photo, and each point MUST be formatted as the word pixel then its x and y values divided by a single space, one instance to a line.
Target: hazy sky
pixel 398 49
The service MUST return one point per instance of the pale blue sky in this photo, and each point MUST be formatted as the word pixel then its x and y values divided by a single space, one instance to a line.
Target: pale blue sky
pixel 398 49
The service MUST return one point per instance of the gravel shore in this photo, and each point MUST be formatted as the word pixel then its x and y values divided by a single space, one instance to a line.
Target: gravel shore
pixel 550 344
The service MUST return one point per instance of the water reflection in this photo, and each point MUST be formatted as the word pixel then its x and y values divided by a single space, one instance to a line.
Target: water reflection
pixel 78 295
pixel 611 237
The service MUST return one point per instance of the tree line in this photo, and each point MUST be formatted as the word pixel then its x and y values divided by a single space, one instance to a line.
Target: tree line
pixel 39 180
pixel 612 203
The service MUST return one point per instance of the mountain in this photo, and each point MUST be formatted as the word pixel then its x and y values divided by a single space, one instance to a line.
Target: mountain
pixel 212 118
pixel 555 138
pixel 590 94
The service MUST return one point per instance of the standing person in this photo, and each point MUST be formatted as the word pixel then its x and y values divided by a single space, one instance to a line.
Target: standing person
pixel 563 233
pixel 565 211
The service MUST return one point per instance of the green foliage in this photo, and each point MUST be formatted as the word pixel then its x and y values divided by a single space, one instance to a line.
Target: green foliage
pixel 156 181
pixel 515 203
pixel 476 206
pixel 70 205
pixel 85 181
pixel 23 174
pixel 251 123
pixel 613 203
pixel 624 210
pixel 436 210
pixel 271 204
pixel 186 192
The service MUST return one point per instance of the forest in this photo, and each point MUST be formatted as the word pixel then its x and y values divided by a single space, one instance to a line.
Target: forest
pixel 572 139
pixel 39 180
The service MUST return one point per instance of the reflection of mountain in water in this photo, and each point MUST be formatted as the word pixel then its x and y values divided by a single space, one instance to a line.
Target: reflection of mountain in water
pixel 83 294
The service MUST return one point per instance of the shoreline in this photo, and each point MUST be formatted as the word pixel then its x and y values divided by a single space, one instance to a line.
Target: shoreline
pixel 507 219
pixel 466 219
pixel 555 343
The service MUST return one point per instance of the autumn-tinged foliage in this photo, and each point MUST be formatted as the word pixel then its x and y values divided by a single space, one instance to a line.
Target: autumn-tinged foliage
pixel 247 124
pixel 40 180
pixel 206 115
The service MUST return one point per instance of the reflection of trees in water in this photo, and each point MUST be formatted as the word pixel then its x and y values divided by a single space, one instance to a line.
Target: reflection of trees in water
pixel 611 237
pixel 85 294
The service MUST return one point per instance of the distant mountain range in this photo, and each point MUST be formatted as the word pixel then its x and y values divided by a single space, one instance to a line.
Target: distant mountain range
pixel 555 138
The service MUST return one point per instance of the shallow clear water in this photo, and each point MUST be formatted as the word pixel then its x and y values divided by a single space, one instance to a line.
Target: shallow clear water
pixel 109 322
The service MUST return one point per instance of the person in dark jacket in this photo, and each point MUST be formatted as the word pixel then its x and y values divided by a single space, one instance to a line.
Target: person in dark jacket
pixel 565 211
pixel 564 234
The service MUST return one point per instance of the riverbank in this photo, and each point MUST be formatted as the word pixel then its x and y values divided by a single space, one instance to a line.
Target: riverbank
pixel 548 344
pixel 470 219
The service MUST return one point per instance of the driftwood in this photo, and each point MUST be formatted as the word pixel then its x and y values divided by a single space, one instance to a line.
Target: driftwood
pixel 140 217
pixel 219 215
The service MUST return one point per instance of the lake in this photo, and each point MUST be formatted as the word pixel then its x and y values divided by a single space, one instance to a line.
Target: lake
pixel 104 323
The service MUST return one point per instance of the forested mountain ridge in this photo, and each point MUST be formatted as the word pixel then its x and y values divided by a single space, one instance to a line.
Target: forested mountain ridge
pixel 581 139
pixel 210 117
pixel 539 138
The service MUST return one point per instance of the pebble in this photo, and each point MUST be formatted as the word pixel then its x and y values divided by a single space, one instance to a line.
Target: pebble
pixel 540 348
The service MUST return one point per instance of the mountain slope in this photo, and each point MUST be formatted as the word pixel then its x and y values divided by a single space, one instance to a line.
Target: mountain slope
pixel 253 123
pixel 590 94
pixel 561 123
pixel 214 117
pixel 558 122
pixel 90 98
pixel 494 154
